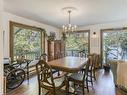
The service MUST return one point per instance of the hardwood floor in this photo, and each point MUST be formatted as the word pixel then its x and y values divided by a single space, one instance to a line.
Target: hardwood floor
pixel 103 86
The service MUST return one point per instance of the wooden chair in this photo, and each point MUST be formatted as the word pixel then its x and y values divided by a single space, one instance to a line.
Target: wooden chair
pixel 97 63
pixel 79 79
pixel 82 54
pixel 46 80
pixel 44 57
pixel 91 70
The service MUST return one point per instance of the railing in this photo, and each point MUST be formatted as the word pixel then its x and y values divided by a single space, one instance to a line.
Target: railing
pixel 36 55
pixel 111 55
pixel 76 53
pixel 29 55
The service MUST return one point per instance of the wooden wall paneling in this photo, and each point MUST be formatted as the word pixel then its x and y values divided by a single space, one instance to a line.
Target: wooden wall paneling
pixel 62 48
pixel 50 50
pixel 57 49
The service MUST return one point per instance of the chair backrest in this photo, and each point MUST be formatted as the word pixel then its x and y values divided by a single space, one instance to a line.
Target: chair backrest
pixel 90 62
pixel 44 73
pixel 87 67
pixel 82 54
pixel 7 61
pixel 44 57
pixel 94 59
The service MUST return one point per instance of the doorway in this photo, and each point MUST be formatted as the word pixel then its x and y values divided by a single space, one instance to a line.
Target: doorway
pixel 113 44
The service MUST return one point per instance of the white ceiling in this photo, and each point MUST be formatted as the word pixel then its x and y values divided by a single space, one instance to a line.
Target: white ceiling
pixel 88 11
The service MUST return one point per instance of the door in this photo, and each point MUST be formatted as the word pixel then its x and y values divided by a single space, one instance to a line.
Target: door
pixel 114 44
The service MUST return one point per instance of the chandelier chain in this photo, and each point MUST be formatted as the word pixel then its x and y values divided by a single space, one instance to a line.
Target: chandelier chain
pixel 69 16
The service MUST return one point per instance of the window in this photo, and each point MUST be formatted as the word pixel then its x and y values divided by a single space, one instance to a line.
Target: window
pixel 26 41
pixel 77 42
pixel 114 44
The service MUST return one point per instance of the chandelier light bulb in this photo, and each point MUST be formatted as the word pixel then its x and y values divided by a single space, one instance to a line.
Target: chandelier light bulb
pixel 63 26
pixel 75 26
pixel 69 27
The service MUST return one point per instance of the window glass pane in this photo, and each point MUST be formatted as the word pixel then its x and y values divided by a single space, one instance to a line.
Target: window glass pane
pixel 26 41
pixel 114 45
pixel 76 43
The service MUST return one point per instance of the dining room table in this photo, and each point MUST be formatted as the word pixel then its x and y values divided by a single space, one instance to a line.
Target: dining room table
pixel 69 65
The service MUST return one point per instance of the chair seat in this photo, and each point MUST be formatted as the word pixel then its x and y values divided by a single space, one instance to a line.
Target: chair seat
pixel 57 81
pixel 33 63
pixel 54 71
pixel 46 79
pixel 76 77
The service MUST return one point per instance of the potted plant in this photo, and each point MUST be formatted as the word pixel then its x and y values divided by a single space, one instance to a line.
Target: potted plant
pixel 106 67
pixel 64 36
pixel 52 36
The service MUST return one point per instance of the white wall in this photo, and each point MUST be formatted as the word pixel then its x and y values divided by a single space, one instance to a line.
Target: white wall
pixel 1 47
pixel 95 42
pixel 11 17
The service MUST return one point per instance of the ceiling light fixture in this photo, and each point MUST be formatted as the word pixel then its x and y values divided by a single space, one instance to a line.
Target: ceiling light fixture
pixel 69 27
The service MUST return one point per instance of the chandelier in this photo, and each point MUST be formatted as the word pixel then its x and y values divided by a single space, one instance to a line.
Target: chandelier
pixel 69 27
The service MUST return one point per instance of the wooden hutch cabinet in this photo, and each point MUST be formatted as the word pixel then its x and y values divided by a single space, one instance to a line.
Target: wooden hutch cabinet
pixel 56 49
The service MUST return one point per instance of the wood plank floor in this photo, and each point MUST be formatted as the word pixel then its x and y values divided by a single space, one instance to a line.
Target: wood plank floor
pixel 103 86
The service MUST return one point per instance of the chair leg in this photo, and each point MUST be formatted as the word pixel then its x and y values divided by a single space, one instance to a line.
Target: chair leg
pixel 83 88
pixel 54 92
pixel 87 84
pixel 48 93
pixel 91 78
pixel 27 75
pixel 39 91
pixel 94 75
pixel 67 87
pixel 58 73
pixel 74 87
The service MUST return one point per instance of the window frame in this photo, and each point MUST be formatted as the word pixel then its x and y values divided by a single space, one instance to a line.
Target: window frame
pixel 15 24
pixel 101 39
pixel 85 31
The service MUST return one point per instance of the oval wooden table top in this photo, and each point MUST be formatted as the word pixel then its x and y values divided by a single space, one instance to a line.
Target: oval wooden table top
pixel 68 64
